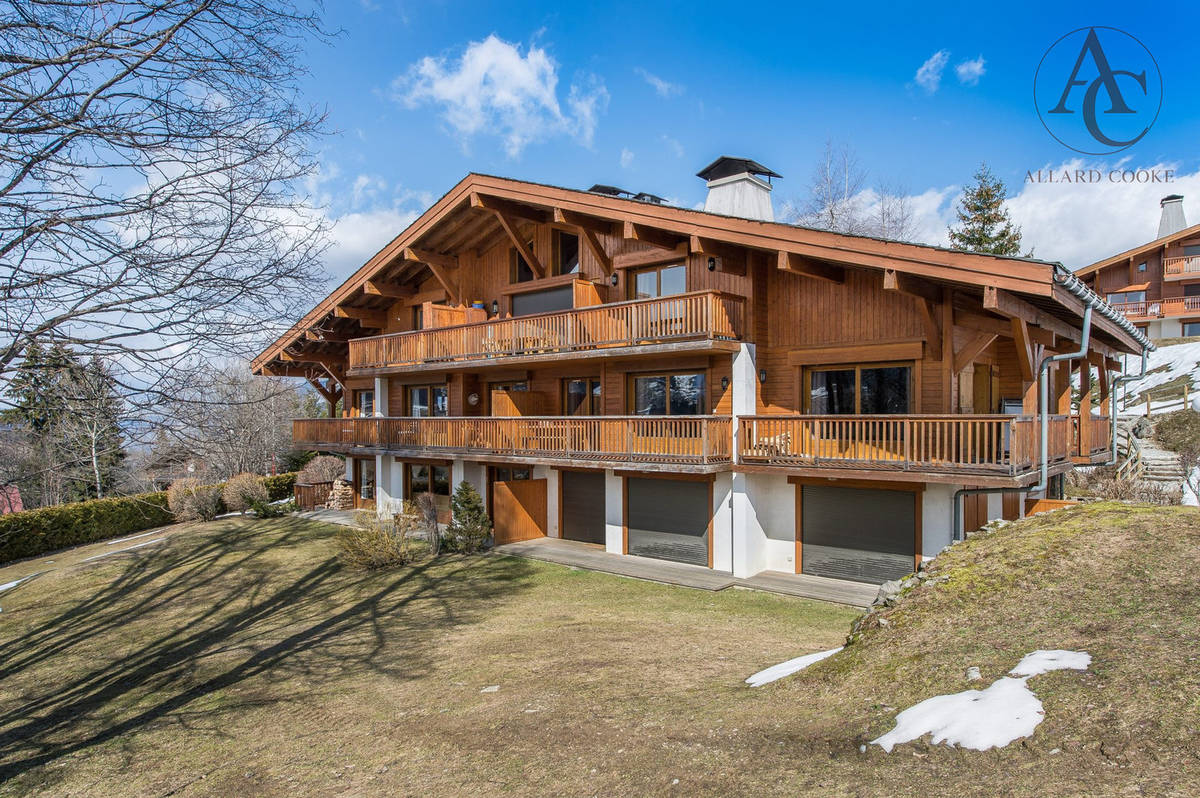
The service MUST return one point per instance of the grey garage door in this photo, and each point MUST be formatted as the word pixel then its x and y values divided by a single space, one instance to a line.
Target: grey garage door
pixel 668 519
pixel 583 506
pixel 856 533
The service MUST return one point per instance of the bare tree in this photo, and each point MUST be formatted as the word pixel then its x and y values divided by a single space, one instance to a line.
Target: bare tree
pixel 892 214
pixel 152 154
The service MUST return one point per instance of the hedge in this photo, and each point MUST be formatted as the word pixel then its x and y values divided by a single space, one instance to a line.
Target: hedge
pixel 32 532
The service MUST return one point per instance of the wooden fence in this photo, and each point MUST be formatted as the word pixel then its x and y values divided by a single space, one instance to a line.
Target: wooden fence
pixel 704 315
pixel 309 497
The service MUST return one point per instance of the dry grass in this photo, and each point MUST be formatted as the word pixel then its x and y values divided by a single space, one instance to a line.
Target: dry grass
pixel 243 659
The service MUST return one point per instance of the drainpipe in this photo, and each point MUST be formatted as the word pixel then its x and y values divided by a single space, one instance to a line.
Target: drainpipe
pixel 1112 413
pixel 1092 302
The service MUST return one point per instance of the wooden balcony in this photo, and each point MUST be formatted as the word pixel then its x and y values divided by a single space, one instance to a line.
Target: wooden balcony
pixel 1184 268
pixel 622 440
pixel 1091 438
pixel 1160 308
pixel 993 445
pixel 705 316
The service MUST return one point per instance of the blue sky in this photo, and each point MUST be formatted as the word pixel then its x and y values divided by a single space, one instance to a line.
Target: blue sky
pixel 643 96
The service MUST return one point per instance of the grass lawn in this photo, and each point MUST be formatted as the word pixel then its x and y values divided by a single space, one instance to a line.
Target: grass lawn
pixel 240 658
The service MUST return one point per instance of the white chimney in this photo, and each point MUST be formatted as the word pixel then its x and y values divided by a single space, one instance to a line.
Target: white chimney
pixel 1172 220
pixel 739 187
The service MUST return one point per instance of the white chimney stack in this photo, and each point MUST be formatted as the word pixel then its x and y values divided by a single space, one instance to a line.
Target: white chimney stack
pixel 1172 220
pixel 739 187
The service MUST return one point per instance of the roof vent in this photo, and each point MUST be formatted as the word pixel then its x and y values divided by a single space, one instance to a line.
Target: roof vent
pixel 739 187
pixel 1172 219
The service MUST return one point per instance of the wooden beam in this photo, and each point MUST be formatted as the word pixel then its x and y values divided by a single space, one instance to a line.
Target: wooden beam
pixel 806 267
pixel 326 336
pixel 731 259
pixel 1001 327
pixel 440 266
pixel 973 348
pixel 946 325
pixel 1020 333
pixel 597 249
pixel 631 231
pixel 913 286
pixel 515 210
pixel 390 290
pixel 376 319
pixel 522 246
pixel 1000 301
pixel 933 327
pixel 649 257
pixel 583 222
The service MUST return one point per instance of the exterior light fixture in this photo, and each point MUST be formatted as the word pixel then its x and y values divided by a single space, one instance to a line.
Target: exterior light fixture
pixel 712 264
pixel 495 308
pixel 762 375
pixel 724 383
pixel 613 279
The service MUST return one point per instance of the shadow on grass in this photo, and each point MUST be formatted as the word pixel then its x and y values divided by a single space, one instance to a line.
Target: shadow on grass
pixel 226 597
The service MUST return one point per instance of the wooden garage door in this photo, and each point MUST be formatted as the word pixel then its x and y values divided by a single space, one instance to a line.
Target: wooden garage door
pixel 518 510
pixel 583 506
pixel 668 519
pixel 861 534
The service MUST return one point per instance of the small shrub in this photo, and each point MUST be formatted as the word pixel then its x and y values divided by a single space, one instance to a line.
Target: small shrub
pixel 270 510
pixel 427 511
pixel 325 468
pixel 469 526
pixel 189 500
pixel 375 542
pixel 243 491
pixel 280 486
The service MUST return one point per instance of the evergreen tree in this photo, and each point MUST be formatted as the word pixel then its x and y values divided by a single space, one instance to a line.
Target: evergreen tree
pixel 469 523
pixel 983 221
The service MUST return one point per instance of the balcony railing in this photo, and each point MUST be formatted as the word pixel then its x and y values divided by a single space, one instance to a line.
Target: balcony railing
pixel 1180 268
pixel 705 315
pixel 1160 308
pixel 985 444
pixel 686 440
pixel 1091 435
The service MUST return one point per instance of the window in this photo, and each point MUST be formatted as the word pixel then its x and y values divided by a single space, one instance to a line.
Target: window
pixel 666 280
pixel 1191 289
pixel 511 474
pixel 859 390
pixel 566 253
pixel 418 317
pixel 669 395
pixel 1191 250
pixel 1122 297
pixel 581 397
pixel 366 479
pixel 562 298
pixel 519 269
pixel 428 400
pixel 430 479
pixel 366 403
pixel 1141 267
pixel 1191 328
pixel 508 386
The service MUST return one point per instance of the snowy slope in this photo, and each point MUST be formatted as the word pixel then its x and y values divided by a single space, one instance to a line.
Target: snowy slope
pixel 1164 365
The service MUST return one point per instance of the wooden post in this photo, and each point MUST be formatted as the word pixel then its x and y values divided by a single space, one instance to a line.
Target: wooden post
pixel 1147 404
pixel 1085 408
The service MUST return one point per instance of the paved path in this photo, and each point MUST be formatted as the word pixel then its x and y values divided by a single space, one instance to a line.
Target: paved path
pixel 594 558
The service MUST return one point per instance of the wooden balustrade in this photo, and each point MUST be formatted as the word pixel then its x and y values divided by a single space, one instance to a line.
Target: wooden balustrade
pixel 1187 265
pixel 969 443
pixel 696 440
pixel 1160 308
pixel 1096 430
pixel 704 315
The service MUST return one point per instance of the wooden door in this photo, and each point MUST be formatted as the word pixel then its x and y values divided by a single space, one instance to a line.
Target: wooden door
pixel 518 510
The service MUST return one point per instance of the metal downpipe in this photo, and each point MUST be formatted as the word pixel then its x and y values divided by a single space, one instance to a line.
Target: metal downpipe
pixel 1112 413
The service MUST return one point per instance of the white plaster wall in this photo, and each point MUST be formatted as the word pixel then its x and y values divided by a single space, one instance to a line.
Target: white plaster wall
pixel 1167 328
pixel 551 476
pixel 995 506
pixel 936 503
pixel 770 524
pixel 614 512
pixel 381 396
pixel 349 470
pixel 474 473
pixel 722 525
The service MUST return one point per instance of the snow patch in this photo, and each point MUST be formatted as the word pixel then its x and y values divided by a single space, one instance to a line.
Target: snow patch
pixel 1168 363
pixel 1190 499
pixel 982 719
pixel 15 582
pixel 118 551
pixel 777 672
pixel 119 541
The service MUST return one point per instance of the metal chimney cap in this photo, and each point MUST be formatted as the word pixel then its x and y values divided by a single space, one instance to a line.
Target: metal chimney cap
pixel 726 166
pixel 1170 198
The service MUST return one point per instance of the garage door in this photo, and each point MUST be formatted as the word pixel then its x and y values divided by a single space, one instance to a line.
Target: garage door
pixel 668 519
pixel 856 533
pixel 583 506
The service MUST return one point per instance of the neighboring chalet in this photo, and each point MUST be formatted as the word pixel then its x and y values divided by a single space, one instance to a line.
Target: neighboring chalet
pixel 1156 285
pixel 698 386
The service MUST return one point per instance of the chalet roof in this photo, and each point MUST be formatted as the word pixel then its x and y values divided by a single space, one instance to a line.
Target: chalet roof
pixel 1140 250
pixel 455 222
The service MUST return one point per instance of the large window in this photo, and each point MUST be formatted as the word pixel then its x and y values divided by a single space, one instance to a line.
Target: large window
pixel 1191 328
pixel 365 476
pixel 430 479
pixel 566 252
pixel 858 390
pixel 518 268
pixel 669 395
pixel 666 280
pixel 366 403
pixel 581 397
pixel 428 400
pixel 552 299
pixel 1121 297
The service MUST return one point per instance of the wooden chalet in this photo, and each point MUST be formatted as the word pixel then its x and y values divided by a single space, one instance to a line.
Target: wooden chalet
pixel 694 385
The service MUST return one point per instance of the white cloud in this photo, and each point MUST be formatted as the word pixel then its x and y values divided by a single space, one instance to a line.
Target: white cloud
pixel 662 87
pixel 1075 223
pixel 969 72
pixel 494 89
pixel 626 158
pixel 929 76
pixel 366 187
pixel 674 145
pixel 359 235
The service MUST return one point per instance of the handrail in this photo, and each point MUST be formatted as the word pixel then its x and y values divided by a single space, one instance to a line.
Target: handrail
pixel 700 315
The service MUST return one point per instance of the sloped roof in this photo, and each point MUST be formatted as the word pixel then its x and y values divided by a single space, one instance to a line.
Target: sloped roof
pixel 1139 251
